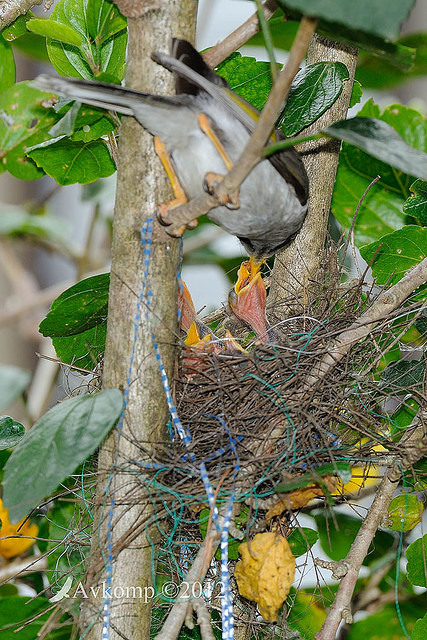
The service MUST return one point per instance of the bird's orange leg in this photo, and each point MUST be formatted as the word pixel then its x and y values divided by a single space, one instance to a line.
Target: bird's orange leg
pixel 212 178
pixel 178 191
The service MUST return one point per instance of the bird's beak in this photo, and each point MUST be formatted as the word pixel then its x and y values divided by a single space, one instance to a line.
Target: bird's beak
pixel 231 343
pixel 248 298
pixel 187 312
pixel 193 338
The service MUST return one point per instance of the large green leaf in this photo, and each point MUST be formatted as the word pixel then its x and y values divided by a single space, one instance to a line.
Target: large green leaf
pixel 102 31
pixel 337 532
pixel 7 66
pixel 13 382
pixel 370 25
pixel 395 253
pixel 381 210
pixel 399 56
pixel 373 71
pixel 314 89
pixel 79 308
pixel 305 614
pixel 83 350
pixel 16 610
pixel 61 440
pixel 248 78
pixel 25 121
pixel 404 375
pixel 72 162
pixel 386 624
pixel 419 632
pixel 416 205
pixel 381 141
pixel 404 512
pixel 11 432
pixel 416 555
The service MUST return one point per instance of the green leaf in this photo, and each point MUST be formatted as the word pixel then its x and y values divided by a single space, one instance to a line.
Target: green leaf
pixel 301 540
pixel 315 475
pixel 71 162
pixel 61 440
pixel 356 94
pixel 314 89
pixel 386 624
pixel 382 142
pixel 13 382
pixel 11 432
pixel 16 222
pixel 55 30
pixel 7 66
pixel 103 35
pixel 248 78
pixel 88 132
pixel 25 120
pixel 381 210
pixel 337 532
pixel 65 559
pixel 362 23
pixel 305 614
pixel 18 28
pixel 421 324
pixel 378 73
pixel 395 253
pixel 416 205
pixel 81 307
pixel 282 31
pixel 419 632
pixel 83 350
pixel 416 555
pixel 404 375
pixel 16 610
pixel 32 46
pixel 404 512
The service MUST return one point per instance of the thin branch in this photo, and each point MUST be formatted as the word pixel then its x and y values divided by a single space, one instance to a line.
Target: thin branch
pixel 253 151
pixel 18 567
pixel 386 303
pixel 238 37
pixel 413 448
pixel 10 10
pixel 196 574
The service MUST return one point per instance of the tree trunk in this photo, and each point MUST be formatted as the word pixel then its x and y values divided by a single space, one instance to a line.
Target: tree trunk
pixel 141 185
pixel 299 262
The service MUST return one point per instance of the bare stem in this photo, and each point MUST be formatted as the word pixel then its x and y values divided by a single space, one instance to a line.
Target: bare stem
pixel 239 36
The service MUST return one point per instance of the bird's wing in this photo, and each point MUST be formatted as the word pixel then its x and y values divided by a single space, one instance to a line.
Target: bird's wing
pixel 192 70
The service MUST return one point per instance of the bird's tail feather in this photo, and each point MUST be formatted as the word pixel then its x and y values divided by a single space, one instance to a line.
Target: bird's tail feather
pixel 99 94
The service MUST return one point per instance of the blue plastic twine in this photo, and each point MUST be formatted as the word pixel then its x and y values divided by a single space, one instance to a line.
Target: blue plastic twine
pixel 185 436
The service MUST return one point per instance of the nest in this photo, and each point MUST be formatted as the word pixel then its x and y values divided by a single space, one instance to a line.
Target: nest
pixel 252 421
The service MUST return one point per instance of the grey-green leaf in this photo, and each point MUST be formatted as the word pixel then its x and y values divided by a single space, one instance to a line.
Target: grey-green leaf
pixel 61 440
pixel 13 382
pixel 314 89
pixel 381 141
pixel 11 432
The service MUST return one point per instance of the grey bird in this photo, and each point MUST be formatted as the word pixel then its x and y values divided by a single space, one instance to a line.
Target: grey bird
pixel 200 133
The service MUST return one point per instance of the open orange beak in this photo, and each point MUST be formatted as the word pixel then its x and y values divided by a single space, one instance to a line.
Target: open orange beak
pixel 248 298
